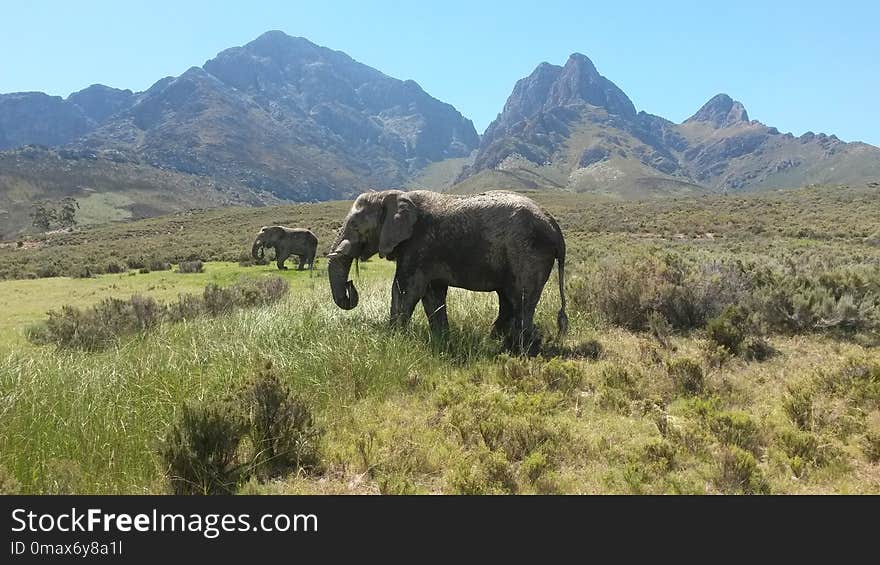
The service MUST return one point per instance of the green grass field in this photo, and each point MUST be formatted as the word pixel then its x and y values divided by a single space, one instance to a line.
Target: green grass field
pixel 628 403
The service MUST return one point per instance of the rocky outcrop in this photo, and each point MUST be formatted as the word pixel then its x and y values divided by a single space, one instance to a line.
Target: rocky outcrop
pixel 721 111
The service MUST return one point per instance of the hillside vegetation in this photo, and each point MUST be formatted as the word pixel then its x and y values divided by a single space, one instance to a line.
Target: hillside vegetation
pixel 718 344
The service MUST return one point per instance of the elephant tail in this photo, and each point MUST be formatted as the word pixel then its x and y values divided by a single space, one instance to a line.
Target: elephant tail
pixel 561 317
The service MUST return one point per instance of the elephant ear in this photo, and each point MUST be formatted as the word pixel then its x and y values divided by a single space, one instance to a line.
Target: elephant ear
pixel 400 217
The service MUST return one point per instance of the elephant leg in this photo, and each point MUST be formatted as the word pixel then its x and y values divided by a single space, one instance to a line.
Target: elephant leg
pixel 434 303
pixel 280 258
pixel 404 296
pixel 524 339
pixel 501 327
pixel 302 263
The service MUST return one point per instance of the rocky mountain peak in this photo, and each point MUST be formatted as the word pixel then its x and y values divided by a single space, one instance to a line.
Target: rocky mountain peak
pixel 99 102
pixel 579 81
pixel 721 111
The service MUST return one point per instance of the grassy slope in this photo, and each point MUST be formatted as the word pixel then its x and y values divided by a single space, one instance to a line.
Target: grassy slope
pixel 439 176
pixel 105 190
pixel 403 414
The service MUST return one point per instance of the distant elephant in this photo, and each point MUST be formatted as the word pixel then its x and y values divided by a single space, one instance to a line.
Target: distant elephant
pixel 287 242
pixel 496 241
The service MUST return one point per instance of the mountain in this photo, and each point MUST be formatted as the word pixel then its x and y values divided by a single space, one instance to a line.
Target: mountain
pixel 279 117
pixel 37 118
pixel 570 127
pixel 284 115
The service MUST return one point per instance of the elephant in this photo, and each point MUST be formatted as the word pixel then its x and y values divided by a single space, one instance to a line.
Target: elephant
pixel 496 241
pixel 287 242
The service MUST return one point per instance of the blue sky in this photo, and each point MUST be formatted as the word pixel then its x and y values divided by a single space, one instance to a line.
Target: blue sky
pixel 795 65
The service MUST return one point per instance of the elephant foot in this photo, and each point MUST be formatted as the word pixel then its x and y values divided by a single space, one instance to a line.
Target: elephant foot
pixel 524 343
pixel 282 268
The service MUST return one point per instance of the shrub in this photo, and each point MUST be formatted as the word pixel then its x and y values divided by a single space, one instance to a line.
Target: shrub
pixel 115 268
pixel 660 328
pixel 260 292
pixel 104 323
pixel 47 270
pixel 798 404
pixel 82 272
pixel 660 454
pixel 758 349
pixel 589 349
pixel 535 465
pixel 729 329
pixel 533 375
pixel 281 427
pixel 147 312
pixel 187 307
pixel 219 300
pixel 687 375
pixel 736 428
pixel 739 472
pixel 801 445
pixel 190 267
pixel 482 472
pixel 200 450
pixel 98 325
pixel 639 290
pixel 158 265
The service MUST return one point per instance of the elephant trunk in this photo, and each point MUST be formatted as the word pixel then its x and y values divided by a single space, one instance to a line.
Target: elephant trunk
pixel 257 249
pixel 345 295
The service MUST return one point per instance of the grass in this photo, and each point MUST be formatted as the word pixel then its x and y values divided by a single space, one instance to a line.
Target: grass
pixel 657 409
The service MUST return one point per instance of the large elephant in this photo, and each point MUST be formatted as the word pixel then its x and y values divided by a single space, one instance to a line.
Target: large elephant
pixel 496 241
pixel 287 242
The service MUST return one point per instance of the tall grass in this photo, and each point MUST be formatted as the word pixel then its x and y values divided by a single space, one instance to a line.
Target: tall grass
pixel 107 411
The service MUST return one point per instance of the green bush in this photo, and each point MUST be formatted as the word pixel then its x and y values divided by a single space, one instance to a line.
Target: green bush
pixel 798 404
pixel 482 472
pixel 283 434
pixel 187 307
pixel 736 428
pixel 739 472
pixel 219 300
pixel 159 265
pixel 103 324
pixel 190 267
pixel 729 329
pixel 632 291
pixel 805 448
pixel 200 453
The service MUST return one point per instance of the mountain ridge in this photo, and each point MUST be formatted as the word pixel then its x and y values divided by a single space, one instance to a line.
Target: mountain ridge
pixel 283 119
pixel 570 127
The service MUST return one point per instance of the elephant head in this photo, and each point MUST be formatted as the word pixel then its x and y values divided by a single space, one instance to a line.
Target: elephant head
pixel 269 236
pixel 377 223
